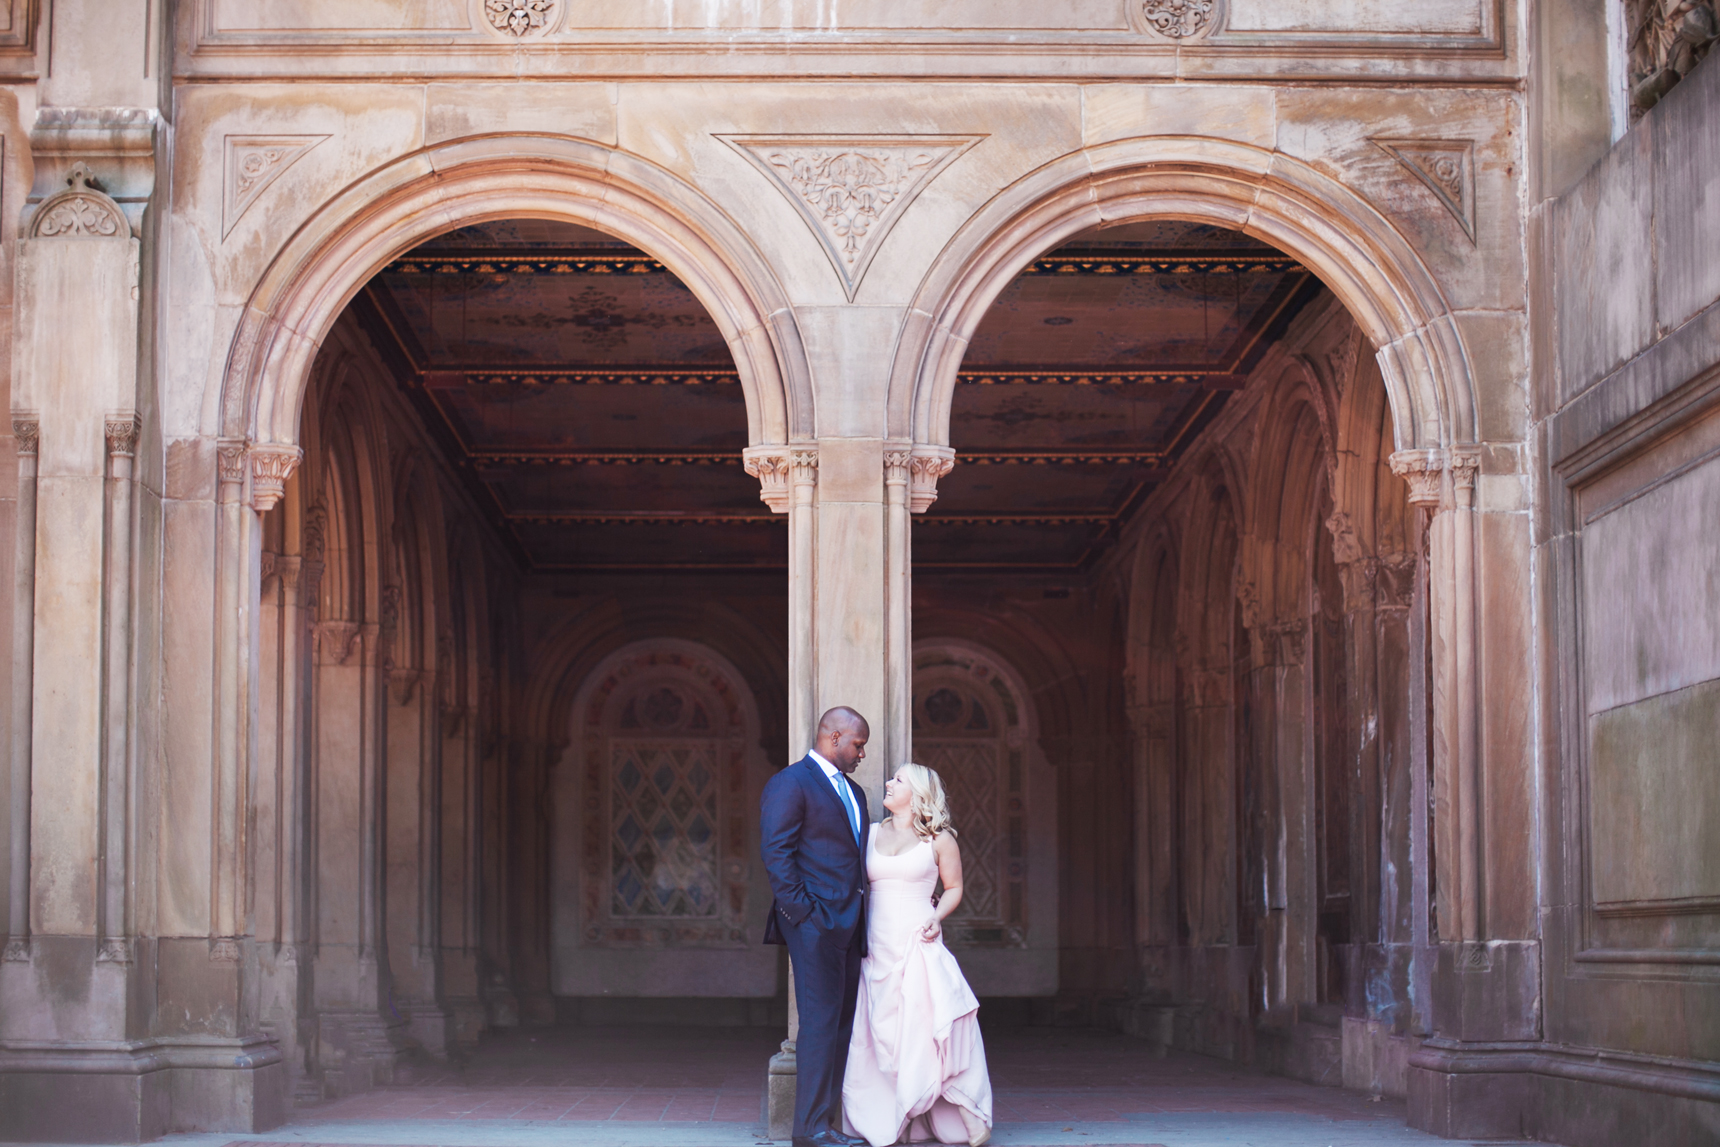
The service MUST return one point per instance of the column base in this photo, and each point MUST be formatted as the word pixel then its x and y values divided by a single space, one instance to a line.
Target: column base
pixel 1582 1097
pixel 133 1091
pixel 779 1093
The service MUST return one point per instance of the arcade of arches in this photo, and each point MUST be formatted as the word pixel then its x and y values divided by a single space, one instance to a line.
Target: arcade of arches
pixel 1250 450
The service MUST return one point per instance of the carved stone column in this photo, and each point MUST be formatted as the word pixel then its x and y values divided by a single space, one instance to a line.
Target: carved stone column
pixel 114 909
pixel 911 486
pixel 26 431
pixel 788 484
pixel 1442 484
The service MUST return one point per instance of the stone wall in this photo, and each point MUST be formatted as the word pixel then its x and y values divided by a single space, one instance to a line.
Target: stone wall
pixel 1626 396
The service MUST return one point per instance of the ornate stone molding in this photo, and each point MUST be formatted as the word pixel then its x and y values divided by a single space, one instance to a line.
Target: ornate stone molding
pixel 851 190
pixel 271 466
pixel 230 463
pixel 121 433
pixel 17 951
pixel 926 465
pixel 778 470
pixel 518 18
pixel 1447 167
pixel 1465 464
pixel 81 211
pixel 1177 19
pixel 253 163
pixel 1422 469
pixel 224 950
pixel 28 433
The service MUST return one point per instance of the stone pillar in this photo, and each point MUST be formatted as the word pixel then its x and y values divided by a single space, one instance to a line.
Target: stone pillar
pixel 26 430
pixel 114 910
pixel 849 593
pixel 1442 483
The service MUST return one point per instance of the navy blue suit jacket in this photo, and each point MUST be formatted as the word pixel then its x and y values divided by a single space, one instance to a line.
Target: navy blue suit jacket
pixel 817 870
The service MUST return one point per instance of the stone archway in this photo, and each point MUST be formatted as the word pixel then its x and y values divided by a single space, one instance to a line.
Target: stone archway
pixel 1346 241
pixel 1380 279
pixel 466 181
pixel 327 261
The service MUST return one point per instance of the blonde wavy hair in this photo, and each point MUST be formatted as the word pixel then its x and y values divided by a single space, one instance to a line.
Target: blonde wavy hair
pixel 930 809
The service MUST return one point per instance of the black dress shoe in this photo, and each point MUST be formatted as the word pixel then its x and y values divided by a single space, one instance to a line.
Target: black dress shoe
pixel 829 1139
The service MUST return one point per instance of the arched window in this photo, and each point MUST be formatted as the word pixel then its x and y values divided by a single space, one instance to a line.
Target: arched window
pixel 664 758
pixel 970 725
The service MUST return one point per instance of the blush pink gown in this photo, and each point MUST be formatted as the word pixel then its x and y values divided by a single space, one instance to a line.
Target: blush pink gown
pixel 916 1064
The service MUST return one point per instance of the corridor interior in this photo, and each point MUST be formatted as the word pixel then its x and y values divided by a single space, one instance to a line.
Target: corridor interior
pixel 524 640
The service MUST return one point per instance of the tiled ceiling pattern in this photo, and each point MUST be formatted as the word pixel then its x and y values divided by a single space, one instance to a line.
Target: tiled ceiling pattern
pixel 594 407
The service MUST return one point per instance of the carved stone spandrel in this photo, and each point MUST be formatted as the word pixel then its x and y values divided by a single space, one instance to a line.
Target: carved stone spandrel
pixel 851 190
pixel 1446 167
pixel 253 163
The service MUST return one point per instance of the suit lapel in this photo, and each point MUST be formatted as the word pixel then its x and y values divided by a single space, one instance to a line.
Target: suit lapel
pixel 822 783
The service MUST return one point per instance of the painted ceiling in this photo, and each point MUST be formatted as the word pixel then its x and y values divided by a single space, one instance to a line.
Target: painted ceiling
pixel 593 406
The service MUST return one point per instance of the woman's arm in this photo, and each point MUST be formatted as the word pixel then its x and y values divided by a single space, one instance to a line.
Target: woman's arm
pixel 950 872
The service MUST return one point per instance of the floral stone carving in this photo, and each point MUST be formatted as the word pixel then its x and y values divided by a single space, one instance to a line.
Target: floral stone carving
pixel 1179 19
pixel 852 190
pixel 1447 167
pixel 253 163
pixel 82 211
pixel 518 17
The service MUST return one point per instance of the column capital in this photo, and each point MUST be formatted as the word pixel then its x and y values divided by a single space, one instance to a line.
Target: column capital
pixel 1424 470
pixel 271 466
pixel 121 431
pixel 780 468
pixel 926 464
pixel 28 431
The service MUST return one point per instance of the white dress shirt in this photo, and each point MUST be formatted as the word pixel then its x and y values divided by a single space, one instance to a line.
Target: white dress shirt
pixel 843 792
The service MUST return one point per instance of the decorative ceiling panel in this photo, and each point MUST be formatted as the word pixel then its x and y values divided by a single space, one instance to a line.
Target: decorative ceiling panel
pixel 595 410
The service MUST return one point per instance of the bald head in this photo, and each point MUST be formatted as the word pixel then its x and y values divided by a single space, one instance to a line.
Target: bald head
pixel 842 736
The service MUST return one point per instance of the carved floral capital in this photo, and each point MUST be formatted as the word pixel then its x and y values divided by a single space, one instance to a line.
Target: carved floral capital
pixel 779 469
pixel 271 466
pixel 926 465
pixel 121 433
pixel 230 462
pixel 1422 469
pixel 28 433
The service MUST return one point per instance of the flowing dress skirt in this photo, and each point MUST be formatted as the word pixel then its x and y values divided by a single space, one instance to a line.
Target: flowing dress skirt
pixel 916 1063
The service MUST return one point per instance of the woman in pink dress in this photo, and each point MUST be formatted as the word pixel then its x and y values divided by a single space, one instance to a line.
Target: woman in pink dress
pixel 916 1064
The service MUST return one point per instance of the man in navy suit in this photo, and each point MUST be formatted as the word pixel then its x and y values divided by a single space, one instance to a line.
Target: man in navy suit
pixel 813 822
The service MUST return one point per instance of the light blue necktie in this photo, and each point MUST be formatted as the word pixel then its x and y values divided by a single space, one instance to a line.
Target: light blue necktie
pixel 848 803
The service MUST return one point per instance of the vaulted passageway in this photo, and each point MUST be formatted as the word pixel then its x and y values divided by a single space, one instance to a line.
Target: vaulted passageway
pixel 522 662
pixel 1173 512
pixel 523 624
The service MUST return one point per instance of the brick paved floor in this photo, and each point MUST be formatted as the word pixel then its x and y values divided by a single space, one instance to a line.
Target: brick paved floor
pixel 644 1087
